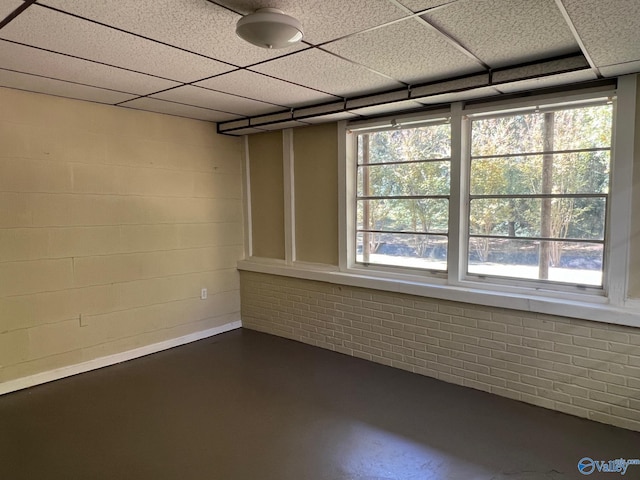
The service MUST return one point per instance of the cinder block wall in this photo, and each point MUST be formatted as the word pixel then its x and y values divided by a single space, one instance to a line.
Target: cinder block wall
pixel 583 368
pixel 111 221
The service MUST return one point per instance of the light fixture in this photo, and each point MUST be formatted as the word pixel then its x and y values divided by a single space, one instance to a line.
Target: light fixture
pixel 269 28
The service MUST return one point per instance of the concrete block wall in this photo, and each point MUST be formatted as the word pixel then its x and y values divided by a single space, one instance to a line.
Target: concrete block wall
pixel 111 222
pixel 578 367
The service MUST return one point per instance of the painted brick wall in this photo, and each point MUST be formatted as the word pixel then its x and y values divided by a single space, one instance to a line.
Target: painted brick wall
pixel 583 368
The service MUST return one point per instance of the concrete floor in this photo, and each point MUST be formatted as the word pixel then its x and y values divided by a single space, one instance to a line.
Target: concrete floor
pixel 245 405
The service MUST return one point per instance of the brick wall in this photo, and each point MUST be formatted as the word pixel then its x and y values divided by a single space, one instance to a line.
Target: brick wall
pixel 579 367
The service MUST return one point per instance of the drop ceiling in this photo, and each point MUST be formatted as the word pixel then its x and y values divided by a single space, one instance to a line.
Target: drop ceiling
pixel 358 57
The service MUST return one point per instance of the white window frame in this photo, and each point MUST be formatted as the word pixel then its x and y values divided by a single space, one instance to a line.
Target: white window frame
pixel 615 274
pixel 543 287
pixel 426 121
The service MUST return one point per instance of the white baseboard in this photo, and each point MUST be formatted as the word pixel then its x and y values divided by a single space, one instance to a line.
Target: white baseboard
pixel 58 373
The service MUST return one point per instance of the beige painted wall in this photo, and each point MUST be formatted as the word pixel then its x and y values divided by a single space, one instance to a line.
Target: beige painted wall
pixel 111 221
pixel 267 194
pixel 315 151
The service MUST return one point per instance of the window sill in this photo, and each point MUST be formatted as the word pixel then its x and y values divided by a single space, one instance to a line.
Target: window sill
pixel 587 309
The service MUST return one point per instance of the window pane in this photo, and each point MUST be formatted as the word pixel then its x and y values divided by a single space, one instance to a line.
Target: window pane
pixel 403 250
pixel 587 127
pixel 586 172
pixel 424 215
pixel 569 262
pixel 428 178
pixel 408 144
pixel 506 135
pixel 579 218
pixel 512 174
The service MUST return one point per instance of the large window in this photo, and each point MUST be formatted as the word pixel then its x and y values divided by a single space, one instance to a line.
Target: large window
pixel 538 195
pixel 403 197
pixel 531 203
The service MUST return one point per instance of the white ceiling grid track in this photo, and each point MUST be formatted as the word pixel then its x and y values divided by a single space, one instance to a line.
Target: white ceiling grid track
pixel 357 58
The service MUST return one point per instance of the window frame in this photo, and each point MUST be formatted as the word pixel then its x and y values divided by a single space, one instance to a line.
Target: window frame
pixel 541 284
pixel 427 123
pixel 613 290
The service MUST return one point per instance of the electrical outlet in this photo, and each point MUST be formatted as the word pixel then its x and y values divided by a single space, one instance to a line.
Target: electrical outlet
pixel 203 294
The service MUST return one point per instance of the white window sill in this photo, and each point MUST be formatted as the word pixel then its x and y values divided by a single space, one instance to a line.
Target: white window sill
pixel 591 308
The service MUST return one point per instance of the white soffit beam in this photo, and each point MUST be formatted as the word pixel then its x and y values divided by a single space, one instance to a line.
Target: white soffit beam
pixel 553 72
pixel 539 69
pixel 459 84
pixel 280 126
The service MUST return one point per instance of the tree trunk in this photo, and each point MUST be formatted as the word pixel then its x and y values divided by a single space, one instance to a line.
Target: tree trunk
pixel 547 187
pixel 366 191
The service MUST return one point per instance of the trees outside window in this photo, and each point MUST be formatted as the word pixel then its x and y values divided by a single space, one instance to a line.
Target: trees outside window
pixel 538 194
pixel 403 197
pixel 536 202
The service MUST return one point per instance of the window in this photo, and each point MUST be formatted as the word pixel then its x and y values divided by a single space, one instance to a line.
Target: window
pixel 538 194
pixel 403 197
pixel 517 197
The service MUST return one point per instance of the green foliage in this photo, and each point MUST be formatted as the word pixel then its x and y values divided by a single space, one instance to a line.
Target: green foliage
pixel 518 174
pixel 507 160
pixel 418 174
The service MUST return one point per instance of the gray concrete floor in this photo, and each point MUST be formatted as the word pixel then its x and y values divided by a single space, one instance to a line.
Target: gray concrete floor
pixel 245 405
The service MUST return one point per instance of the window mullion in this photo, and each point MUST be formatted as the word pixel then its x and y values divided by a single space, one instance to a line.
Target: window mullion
pixel 457 210
pixel 619 213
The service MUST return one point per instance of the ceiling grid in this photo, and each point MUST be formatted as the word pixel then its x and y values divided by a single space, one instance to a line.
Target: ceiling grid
pixel 358 58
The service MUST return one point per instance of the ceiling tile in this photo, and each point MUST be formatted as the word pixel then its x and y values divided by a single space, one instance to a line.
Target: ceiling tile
pixel 620 69
pixel 32 83
pixel 326 72
pixel 506 32
pixel 171 108
pixel 420 5
pixel 196 25
pixel 48 29
pixel 398 50
pixel 201 97
pixel 610 35
pixel 39 62
pixel 8 6
pixel 267 89
pixel 324 20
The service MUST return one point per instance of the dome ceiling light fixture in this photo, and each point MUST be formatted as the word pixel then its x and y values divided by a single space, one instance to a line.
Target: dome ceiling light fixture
pixel 269 28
